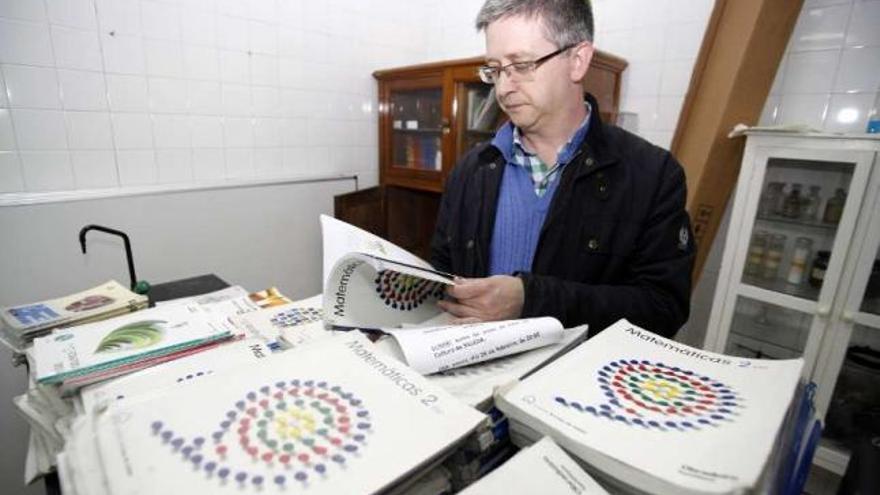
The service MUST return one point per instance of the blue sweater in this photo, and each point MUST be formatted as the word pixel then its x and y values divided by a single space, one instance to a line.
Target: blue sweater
pixel 521 213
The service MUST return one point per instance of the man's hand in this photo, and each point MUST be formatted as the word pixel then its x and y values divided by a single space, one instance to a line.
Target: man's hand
pixel 499 297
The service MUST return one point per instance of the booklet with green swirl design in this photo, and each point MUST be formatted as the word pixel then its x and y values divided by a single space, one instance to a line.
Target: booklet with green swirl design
pixel 74 352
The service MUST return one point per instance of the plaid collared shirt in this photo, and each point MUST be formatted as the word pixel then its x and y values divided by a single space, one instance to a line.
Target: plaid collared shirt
pixel 542 175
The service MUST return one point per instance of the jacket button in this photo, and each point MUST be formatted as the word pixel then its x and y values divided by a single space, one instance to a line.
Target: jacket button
pixel 589 162
pixel 593 244
pixel 492 166
pixel 470 244
pixel 603 188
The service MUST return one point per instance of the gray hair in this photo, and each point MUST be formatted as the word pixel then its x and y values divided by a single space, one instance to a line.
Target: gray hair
pixel 566 22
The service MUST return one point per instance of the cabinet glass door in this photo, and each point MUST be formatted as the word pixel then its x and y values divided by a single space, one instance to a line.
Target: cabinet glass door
pixel 416 128
pixel 767 331
pixel 793 221
pixel 796 223
pixel 849 381
pixel 478 115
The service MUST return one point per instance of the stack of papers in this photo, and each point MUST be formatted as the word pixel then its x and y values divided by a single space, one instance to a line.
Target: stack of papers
pixel 74 357
pixel 645 414
pixel 332 416
pixel 19 325
pixel 540 468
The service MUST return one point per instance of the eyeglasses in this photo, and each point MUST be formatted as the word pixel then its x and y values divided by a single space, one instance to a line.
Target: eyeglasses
pixel 516 71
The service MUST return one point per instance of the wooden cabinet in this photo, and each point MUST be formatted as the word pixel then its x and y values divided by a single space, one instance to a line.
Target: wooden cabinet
pixel 429 116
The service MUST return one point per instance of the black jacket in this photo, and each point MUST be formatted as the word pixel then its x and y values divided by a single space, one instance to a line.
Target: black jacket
pixel 616 242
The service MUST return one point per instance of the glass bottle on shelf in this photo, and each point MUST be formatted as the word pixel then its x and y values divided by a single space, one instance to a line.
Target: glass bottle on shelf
pixel 779 201
pixel 791 208
pixel 755 258
pixel 803 247
pixel 773 256
pixel 811 204
pixel 874 115
pixel 834 207
pixel 817 272
pixel 769 199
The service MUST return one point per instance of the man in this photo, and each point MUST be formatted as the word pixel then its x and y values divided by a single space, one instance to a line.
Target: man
pixel 561 215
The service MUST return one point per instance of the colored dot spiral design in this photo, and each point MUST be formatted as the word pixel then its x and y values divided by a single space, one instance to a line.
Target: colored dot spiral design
pixel 293 432
pixel 656 396
pixel 297 316
pixel 405 292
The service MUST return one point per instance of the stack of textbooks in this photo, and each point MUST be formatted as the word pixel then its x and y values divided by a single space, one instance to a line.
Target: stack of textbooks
pixel 539 468
pixel 78 356
pixel 644 414
pixel 332 416
pixel 19 325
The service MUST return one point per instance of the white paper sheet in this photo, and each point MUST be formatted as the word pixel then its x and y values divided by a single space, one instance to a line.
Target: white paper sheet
pixel 433 349
pixel 540 468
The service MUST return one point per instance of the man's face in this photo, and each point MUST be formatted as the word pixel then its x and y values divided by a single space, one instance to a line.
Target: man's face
pixel 530 104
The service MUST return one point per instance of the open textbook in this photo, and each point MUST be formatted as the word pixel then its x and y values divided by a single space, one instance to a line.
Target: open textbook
pixel 650 415
pixel 369 283
pixel 330 417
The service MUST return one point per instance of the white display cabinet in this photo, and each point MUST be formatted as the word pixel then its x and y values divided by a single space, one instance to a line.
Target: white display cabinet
pixel 799 276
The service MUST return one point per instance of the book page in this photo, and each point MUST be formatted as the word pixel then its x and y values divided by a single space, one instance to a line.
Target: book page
pixel 341 238
pixel 368 292
pixel 433 349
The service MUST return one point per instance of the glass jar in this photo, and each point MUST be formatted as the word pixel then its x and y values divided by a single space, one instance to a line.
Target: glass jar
pixel 791 208
pixel 803 248
pixel 773 256
pixel 811 204
pixel 770 200
pixel 817 272
pixel 755 258
pixel 834 207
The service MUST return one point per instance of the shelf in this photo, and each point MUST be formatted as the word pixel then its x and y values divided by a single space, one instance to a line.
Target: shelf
pixel 803 290
pixel 831 457
pixel 430 130
pixel 481 132
pixel 813 225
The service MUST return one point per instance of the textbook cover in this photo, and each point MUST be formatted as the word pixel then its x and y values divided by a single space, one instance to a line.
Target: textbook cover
pixel 656 415
pixel 330 417
pixel 69 353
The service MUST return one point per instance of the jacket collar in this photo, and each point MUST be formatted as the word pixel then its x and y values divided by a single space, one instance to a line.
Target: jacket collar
pixel 594 147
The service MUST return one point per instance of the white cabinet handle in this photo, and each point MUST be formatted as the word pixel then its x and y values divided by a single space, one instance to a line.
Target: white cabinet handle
pixel 848 316
pixel 823 310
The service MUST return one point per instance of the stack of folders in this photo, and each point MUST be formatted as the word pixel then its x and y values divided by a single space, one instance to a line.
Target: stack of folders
pixel 644 414
pixel 19 325
pixel 75 357
pixel 331 416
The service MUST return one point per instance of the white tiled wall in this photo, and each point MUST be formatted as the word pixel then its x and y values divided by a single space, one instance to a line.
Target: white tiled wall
pixel 827 80
pixel 660 39
pixel 116 93
pixel 831 69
